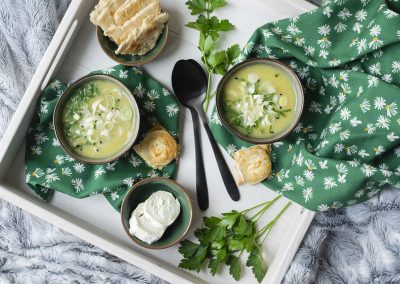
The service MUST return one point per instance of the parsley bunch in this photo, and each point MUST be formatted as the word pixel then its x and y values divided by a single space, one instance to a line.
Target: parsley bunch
pixel 216 62
pixel 223 241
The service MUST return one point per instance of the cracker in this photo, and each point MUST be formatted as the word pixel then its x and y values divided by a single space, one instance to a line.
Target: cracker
pixel 134 25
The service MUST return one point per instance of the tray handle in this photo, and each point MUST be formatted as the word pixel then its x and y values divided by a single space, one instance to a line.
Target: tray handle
pixel 15 133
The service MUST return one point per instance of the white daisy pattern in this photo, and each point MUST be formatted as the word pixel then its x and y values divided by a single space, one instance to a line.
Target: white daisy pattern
pixel 123 74
pixel 128 182
pixel 350 116
pixel 61 169
pixel 79 167
pixel 77 183
pixel 139 91
pixel 396 66
pixel 329 183
pixel 114 195
pixel 99 172
pixel 308 194
pixel 172 109
pixel 153 95
pixel 149 106
pixel 40 138
pixel 134 160
pixel 231 149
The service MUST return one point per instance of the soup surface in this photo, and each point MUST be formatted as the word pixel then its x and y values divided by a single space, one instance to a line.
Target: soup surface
pixel 259 100
pixel 98 119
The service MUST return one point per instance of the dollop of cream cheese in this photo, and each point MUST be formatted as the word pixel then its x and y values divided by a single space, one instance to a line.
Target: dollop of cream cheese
pixel 144 228
pixel 151 218
pixel 162 207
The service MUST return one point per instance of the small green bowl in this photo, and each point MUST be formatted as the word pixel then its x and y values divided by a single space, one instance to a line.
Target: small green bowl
pixel 298 93
pixel 140 192
pixel 109 47
pixel 58 114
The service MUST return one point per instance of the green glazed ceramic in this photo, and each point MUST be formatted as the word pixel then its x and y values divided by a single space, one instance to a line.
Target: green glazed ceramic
pixel 298 92
pixel 58 124
pixel 109 47
pixel 140 192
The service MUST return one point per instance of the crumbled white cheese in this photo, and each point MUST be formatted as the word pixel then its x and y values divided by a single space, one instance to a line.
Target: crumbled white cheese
pixel 255 106
pixel 253 77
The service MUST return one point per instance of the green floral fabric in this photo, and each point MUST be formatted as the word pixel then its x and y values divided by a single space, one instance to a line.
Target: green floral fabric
pixel 346 147
pixel 49 168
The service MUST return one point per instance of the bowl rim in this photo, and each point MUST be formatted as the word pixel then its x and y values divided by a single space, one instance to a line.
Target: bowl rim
pixel 125 202
pixel 58 110
pixel 237 133
pixel 131 63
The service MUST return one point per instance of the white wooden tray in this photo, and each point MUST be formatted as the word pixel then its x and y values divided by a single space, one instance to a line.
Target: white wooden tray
pixel 74 52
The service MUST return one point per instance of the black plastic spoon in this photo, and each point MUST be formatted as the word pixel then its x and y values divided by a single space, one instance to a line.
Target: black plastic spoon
pixel 189 82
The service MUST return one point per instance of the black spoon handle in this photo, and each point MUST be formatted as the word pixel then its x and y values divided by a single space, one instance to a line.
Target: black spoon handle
pixel 201 181
pixel 226 174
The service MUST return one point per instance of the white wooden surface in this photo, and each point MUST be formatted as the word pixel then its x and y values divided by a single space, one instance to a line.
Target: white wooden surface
pixel 93 219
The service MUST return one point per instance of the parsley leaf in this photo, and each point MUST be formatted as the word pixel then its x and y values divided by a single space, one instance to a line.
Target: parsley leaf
pixel 206 44
pixel 220 25
pixel 235 245
pixel 256 262
pixel 221 256
pixel 188 248
pixel 211 222
pixel 234 267
pixel 217 234
pixel 241 227
pixel 229 219
pixel 218 244
pixel 250 243
pixel 233 52
pixel 217 58
pixel 197 6
pixel 217 4
pixel 213 265
pixel 191 264
pixel 201 253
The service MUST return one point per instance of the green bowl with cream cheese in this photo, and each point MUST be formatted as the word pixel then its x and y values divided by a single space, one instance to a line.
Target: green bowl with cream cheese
pixel 140 192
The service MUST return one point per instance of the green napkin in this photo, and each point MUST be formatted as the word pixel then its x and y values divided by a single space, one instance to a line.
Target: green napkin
pixel 346 147
pixel 49 168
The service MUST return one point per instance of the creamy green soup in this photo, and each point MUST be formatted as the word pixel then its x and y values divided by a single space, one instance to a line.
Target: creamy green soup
pixel 98 119
pixel 259 100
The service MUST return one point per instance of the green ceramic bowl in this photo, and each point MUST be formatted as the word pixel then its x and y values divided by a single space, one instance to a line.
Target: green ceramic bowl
pixel 140 192
pixel 58 114
pixel 109 47
pixel 298 93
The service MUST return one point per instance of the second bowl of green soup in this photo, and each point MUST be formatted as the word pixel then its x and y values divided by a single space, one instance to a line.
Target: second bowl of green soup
pixel 260 100
pixel 96 119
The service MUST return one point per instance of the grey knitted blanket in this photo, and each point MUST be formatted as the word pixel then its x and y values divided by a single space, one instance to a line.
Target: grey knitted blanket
pixel 360 244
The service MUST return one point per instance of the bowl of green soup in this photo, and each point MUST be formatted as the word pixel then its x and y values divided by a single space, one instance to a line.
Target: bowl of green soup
pixel 260 100
pixel 96 119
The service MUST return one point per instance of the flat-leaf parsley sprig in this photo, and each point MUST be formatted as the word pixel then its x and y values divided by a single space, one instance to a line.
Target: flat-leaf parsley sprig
pixel 224 239
pixel 216 62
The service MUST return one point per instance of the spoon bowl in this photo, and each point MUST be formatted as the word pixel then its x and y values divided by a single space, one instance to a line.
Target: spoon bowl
pixel 190 89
